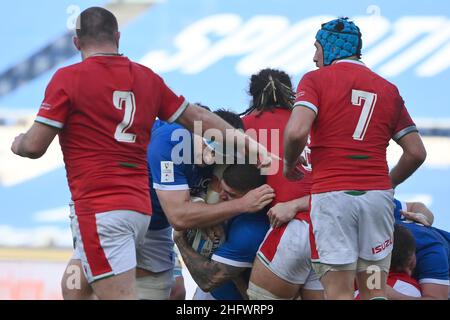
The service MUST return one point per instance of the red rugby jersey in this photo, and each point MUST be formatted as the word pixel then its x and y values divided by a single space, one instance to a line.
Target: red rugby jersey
pixel 285 190
pixel 358 112
pixel 105 107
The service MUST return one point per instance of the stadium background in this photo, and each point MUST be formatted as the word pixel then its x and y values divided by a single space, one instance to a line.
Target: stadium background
pixel 205 50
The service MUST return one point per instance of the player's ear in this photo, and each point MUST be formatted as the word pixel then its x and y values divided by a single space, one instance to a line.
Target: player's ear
pixel 117 38
pixel 76 43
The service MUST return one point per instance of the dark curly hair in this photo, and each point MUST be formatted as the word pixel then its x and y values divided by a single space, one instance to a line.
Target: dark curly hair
pixel 270 89
pixel 243 177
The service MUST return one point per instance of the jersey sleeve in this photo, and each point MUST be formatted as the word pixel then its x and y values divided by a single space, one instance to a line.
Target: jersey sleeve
pixel 239 250
pixel 307 93
pixel 398 207
pixel 172 106
pixel 405 124
pixel 56 104
pixel 166 175
pixel 433 265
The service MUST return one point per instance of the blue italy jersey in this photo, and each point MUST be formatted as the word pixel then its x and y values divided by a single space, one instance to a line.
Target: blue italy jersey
pixel 244 234
pixel 173 173
pixel 432 249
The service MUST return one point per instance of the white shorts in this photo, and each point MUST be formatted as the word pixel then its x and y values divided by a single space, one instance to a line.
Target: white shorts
pixel 347 227
pixel 286 252
pixel 106 243
pixel 157 253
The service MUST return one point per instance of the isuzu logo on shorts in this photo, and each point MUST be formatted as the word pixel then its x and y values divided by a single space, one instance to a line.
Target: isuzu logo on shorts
pixel 382 246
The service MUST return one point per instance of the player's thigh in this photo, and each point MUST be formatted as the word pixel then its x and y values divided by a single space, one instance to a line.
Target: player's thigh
pixel 263 278
pixel 118 287
pixel 339 285
pixel 74 285
pixel 284 259
pixel 375 224
pixel 335 227
pixel 307 294
pixel 107 243
pixel 155 265
pixel 313 288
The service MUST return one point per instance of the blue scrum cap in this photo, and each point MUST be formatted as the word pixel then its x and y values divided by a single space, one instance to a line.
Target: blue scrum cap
pixel 339 39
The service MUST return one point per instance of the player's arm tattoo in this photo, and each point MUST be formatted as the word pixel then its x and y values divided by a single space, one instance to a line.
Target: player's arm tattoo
pixel 241 284
pixel 208 274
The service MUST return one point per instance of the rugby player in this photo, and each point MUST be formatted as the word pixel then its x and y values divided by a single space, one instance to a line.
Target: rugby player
pixel 351 114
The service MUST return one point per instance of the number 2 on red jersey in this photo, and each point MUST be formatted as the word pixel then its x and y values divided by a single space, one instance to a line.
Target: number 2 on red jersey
pixel 125 100
pixel 370 99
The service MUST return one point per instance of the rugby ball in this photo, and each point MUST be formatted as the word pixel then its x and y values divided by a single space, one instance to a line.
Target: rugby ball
pixel 201 243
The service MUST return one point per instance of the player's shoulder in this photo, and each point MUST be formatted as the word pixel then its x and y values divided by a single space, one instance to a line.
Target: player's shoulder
pixel 445 236
pixel 318 77
pixel 141 67
pixel 316 74
pixel 389 86
pixel 72 67
pixel 440 236
pixel 67 72
pixel 165 130
pixel 164 138
pixel 386 85
pixel 145 69
pixel 146 75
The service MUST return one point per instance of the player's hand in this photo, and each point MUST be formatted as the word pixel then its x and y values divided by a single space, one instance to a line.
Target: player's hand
pixel 416 217
pixel 280 214
pixel 257 199
pixel 255 150
pixel 16 143
pixel 265 159
pixel 293 172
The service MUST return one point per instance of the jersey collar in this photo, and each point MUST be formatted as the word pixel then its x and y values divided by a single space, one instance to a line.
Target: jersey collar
pixel 351 61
